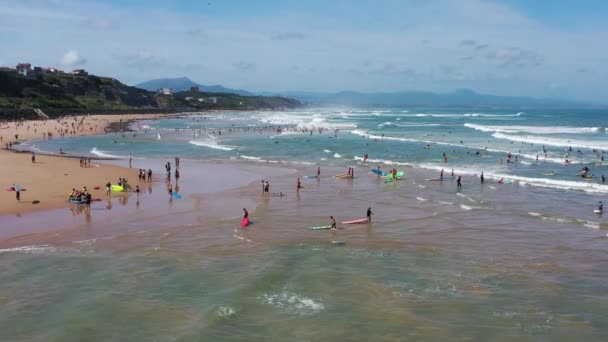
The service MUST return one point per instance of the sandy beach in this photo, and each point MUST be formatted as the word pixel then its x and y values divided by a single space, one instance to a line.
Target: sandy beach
pixel 50 179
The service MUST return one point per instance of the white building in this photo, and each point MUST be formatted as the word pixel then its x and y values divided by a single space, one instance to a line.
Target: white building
pixel 24 68
pixel 212 100
pixel 165 91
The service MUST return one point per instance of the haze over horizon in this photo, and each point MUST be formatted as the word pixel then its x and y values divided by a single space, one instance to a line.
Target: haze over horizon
pixel 507 47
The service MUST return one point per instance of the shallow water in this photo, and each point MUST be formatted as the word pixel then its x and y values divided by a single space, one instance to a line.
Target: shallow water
pixel 491 262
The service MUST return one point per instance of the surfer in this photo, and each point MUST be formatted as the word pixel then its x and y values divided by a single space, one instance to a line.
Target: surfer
pixel 318 171
pixel 333 222
pixel 267 187
pixel 369 215
pixel 441 175
pixel 365 156
pixel 603 178
pixel 452 173
pixel 170 190
pixel 459 182
pixel 481 178
pixel 137 190
pixel 298 186
pixel 245 213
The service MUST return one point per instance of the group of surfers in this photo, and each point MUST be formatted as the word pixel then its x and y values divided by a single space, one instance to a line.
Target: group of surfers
pixel 83 196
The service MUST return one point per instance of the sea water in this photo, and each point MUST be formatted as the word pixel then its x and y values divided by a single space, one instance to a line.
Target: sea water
pixel 520 261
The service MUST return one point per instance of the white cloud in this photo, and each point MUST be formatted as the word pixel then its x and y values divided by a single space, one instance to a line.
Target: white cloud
pixel 72 58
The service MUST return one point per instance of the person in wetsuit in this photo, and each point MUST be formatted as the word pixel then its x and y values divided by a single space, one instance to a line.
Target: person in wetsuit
pixel 333 222
pixel 369 215
pixel 459 182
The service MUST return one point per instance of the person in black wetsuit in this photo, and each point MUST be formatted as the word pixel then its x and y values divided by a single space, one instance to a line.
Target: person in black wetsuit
pixel 369 215
pixel 333 222
pixel 482 178
pixel 459 182
pixel 245 213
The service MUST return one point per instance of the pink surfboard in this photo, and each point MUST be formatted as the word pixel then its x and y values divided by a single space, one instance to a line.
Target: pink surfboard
pixel 245 222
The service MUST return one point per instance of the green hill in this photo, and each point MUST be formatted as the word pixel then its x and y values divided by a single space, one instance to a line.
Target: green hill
pixel 59 94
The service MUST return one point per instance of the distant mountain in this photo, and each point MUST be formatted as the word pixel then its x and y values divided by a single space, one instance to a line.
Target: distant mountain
pixel 464 98
pixel 58 93
pixel 184 84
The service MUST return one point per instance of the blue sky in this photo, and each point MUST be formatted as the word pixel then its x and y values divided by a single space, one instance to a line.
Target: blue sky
pixel 509 47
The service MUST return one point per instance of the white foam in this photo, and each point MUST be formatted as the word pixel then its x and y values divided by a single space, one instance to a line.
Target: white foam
pixel 421 199
pixel 465 207
pixel 211 143
pixel 103 154
pixel 327 151
pixel 30 249
pixel 455 115
pixel 337 155
pixel 593 145
pixel 537 182
pixel 225 311
pixel 250 158
pixel 524 155
pixel 536 129
pixel 383 161
pixel 388 123
pixel 293 304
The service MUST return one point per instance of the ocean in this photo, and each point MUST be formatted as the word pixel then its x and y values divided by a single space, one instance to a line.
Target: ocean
pixel 522 259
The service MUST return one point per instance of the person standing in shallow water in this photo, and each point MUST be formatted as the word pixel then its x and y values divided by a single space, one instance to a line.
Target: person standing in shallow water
pixel 298 186
pixel 369 215
pixel 333 222
pixel 459 182
pixel 482 178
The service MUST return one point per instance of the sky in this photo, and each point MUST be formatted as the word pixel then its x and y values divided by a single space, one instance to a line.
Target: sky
pixel 553 49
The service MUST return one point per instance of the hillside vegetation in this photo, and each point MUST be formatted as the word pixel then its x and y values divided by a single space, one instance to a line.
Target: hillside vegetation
pixel 60 94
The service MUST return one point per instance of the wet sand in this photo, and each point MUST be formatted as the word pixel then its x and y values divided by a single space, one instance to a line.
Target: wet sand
pixel 51 178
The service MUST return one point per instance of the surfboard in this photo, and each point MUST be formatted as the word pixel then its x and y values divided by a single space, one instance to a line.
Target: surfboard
pixel 245 222
pixel 597 211
pixel 378 172
pixel 176 195
pixel 77 202
pixel 399 175
pixel 320 227
pixel 362 220
pixel 344 175
pixel 549 174
pixel 311 176
pixel 435 180
pixel 117 188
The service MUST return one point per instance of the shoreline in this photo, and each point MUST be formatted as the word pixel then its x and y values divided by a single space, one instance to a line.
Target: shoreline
pixel 51 177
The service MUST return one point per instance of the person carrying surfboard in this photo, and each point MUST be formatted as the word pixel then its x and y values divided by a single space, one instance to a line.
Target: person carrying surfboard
pixel 600 206
pixel 245 213
pixel 333 222
pixel 369 215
